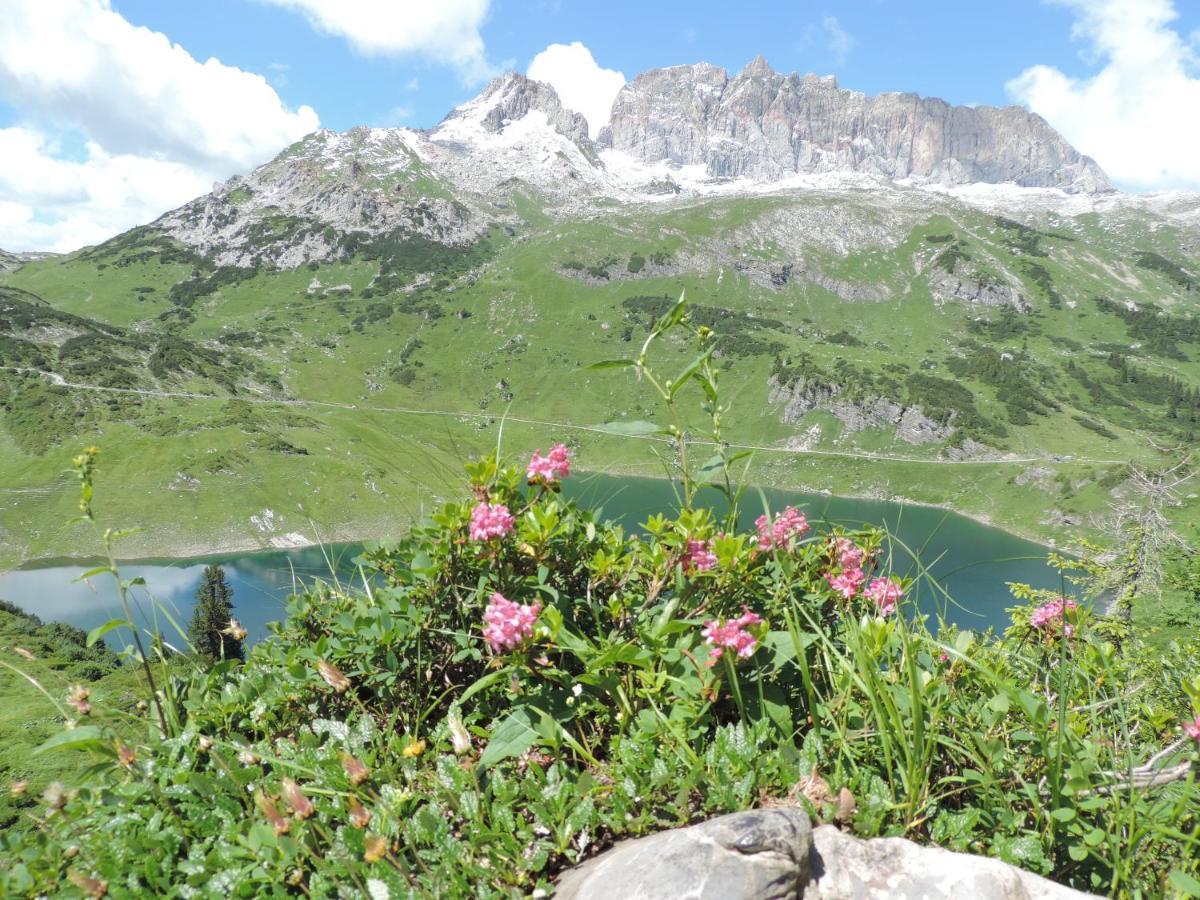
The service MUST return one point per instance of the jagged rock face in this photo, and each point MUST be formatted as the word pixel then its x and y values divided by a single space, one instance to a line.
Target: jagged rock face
pixel 912 425
pixel 950 286
pixel 512 97
pixel 453 182
pixel 442 184
pixel 300 206
pixel 764 125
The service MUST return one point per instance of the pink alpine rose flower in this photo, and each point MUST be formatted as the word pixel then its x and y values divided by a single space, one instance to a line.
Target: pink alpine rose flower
pixel 699 556
pixel 508 625
pixel 885 593
pixel 788 525
pixel 554 467
pixel 847 583
pixel 490 520
pixel 1192 729
pixel 850 555
pixel 1048 614
pixel 733 635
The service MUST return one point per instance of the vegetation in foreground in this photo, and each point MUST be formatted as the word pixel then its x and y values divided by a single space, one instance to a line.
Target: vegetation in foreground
pixel 39 665
pixel 518 685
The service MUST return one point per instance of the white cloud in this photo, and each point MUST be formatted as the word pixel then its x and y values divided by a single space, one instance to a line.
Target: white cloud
pixel 79 63
pixel 837 39
pixel 1137 117
pixel 580 82
pixel 157 126
pixel 441 30
pixel 60 204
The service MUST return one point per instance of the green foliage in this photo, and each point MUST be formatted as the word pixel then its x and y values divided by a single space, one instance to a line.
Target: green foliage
pixel 954 255
pixel 944 400
pixel 205 282
pixel 139 245
pixel 1024 239
pixel 516 319
pixel 736 331
pixel 1160 332
pixel 212 626
pixel 40 413
pixel 1155 262
pixel 55 656
pixel 1007 326
pixel 498 770
pixel 1009 375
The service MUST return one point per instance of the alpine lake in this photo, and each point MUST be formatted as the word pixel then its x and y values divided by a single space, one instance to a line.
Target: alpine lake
pixel 962 567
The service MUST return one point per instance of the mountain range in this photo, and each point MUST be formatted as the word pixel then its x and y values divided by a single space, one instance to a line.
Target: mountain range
pixel 945 303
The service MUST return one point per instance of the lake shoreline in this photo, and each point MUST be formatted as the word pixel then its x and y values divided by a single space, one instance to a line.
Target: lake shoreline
pixel 188 551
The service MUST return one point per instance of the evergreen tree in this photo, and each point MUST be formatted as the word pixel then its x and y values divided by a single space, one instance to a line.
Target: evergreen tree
pixel 210 632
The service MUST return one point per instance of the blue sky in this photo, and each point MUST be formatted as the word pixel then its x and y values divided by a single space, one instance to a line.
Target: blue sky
pixel 113 111
pixel 964 52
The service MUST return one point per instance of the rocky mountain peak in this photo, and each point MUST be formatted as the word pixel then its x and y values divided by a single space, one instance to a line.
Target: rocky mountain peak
pixel 758 68
pixel 512 97
pixel 767 126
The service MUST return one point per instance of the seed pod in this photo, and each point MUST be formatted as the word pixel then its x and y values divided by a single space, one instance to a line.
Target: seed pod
pixel 356 769
pixel 300 805
pixel 360 816
pixel 280 824
pixel 333 676
pixel 93 887
pixel 374 848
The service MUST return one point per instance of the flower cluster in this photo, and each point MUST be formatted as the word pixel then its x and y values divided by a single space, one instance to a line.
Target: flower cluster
pixel 699 556
pixel 1046 615
pixel 507 624
pixel 788 525
pixel 884 593
pixel 78 698
pixel 846 582
pixel 733 634
pixel 849 554
pixel 555 466
pixel 490 520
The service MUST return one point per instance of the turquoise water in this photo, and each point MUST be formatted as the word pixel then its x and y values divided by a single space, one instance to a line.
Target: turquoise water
pixel 965 559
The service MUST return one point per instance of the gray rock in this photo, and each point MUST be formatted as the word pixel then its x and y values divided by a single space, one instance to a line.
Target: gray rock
pixel 775 854
pixel 951 286
pixel 766 125
pixel 846 867
pixel 969 449
pixel 756 854
pixel 1037 475
pixel 10 262
pixel 912 425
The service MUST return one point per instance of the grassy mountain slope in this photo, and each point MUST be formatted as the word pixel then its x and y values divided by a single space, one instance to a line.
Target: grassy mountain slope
pixel 60 658
pixel 336 393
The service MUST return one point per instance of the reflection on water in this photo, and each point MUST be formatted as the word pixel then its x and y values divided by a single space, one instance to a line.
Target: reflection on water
pixel 960 557
pixel 261 583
